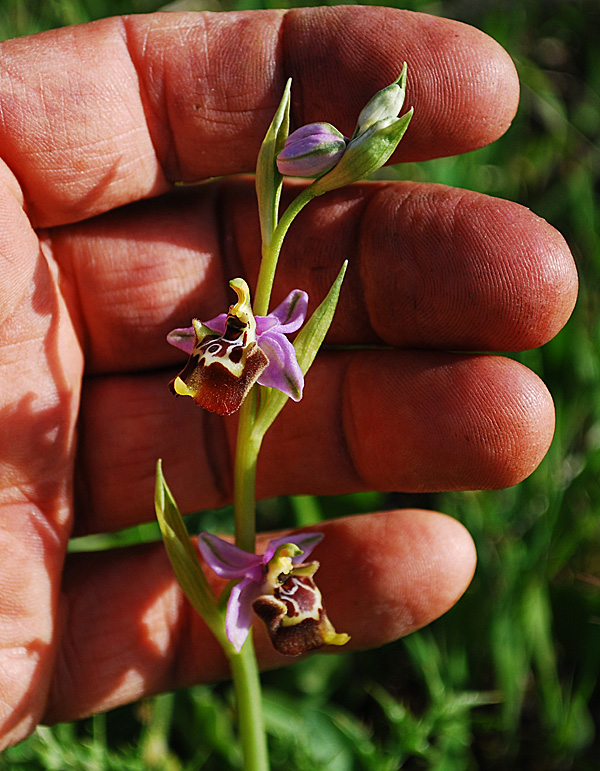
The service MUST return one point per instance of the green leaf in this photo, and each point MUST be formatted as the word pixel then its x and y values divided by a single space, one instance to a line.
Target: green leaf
pixel 184 559
pixel 307 344
pixel 268 178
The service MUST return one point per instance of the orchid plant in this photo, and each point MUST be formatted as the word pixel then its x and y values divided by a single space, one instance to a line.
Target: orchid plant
pixel 244 361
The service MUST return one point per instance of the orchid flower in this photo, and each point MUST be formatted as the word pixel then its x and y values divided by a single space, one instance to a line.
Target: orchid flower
pixel 235 350
pixel 278 586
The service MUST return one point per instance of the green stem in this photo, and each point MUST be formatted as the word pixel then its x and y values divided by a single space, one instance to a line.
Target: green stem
pixel 248 696
pixel 244 667
pixel 266 276
pixel 244 491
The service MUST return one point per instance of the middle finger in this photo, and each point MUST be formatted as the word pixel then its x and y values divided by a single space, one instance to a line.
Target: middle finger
pixel 429 267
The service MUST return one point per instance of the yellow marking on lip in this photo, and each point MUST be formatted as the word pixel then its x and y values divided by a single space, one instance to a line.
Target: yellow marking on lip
pixel 182 389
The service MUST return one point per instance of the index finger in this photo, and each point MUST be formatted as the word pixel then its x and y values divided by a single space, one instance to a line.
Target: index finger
pixel 103 114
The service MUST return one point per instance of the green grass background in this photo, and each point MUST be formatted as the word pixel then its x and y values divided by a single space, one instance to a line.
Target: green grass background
pixel 509 677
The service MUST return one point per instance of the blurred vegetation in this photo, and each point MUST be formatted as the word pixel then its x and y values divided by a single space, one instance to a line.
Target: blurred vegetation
pixel 509 677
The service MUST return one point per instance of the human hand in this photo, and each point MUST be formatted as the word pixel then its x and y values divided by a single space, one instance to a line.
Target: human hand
pixel 110 115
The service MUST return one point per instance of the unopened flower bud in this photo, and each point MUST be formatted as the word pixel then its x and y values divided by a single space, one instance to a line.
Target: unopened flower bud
pixel 365 154
pixel 311 150
pixel 386 104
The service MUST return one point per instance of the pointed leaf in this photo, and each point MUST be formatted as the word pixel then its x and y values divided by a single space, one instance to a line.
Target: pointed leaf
pixel 268 177
pixel 184 558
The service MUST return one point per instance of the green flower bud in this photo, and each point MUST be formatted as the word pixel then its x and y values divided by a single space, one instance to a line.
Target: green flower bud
pixel 386 103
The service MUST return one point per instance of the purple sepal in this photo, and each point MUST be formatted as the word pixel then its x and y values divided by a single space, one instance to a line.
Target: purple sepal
pixel 228 560
pixel 183 338
pixel 238 618
pixel 283 371
pixel 288 315
pixel 311 150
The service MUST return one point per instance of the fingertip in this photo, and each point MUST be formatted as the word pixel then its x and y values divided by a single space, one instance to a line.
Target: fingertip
pixel 533 271
pixel 432 421
pixel 454 71
pixel 385 575
pixel 466 271
pixel 451 565
pixel 473 75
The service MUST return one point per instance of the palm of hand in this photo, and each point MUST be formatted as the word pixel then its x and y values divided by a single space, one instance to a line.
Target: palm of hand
pixel 114 120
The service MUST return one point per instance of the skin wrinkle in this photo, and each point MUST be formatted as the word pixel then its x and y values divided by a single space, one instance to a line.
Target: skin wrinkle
pixel 501 278
pixel 228 241
pixel 35 542
pixel 358 314
pixel 486 271
pixel 213 143
pixel 219 448
pixel 444 82
pixel 117 469
pixel 124 316
pixel 156 105
pixel 299 433
pixel 497 443
pixel 337 224
pixel 68 288
pixel 171 112
pixel 348 425
pixel 140 665
pixel 16 254
pixel 68 143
